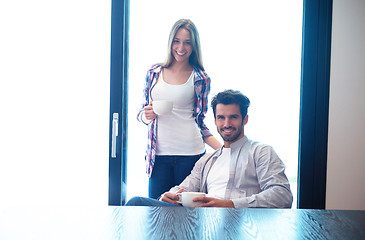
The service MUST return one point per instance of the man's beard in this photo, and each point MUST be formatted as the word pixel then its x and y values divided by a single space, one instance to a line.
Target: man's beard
pixel 233 137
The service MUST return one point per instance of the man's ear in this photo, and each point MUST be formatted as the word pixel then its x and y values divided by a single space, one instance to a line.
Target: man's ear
pixel 245 120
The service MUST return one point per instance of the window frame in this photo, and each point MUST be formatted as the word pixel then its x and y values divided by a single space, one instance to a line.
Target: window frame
pixel 314 109
pixel 314 100
pixel 119 56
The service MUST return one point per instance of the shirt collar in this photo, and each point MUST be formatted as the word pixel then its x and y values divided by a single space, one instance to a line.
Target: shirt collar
pixel 198 75
pixel 240 142
pixel 156 68
pixel 237 144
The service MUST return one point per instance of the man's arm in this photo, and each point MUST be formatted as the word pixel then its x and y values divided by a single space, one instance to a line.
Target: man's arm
pixel 275 188
pixel 171 197
pixel 207 201
pixel 192 183
pixel 213 202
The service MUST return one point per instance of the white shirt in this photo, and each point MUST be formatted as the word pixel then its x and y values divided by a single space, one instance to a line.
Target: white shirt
pixel 177 131
pixel 219 174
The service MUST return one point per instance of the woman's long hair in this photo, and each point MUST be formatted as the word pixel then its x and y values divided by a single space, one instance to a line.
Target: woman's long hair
pixel 195 58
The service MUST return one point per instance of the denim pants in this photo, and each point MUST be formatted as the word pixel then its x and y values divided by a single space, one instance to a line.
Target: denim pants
pixel 169 171
pixel 142 201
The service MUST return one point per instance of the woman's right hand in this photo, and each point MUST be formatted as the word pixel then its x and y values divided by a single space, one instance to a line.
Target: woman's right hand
pixel 149 113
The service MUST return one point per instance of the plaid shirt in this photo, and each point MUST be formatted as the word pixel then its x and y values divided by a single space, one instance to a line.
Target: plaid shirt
pixel 202 89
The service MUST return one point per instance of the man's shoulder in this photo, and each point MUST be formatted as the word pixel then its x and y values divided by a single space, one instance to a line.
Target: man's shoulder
pixel 256 144
pixel 245 141
pixel 255 147
pixel 209 155
pixel 253 143
pixel 259 150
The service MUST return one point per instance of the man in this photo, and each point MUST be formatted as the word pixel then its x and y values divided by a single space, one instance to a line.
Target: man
pixel 241 174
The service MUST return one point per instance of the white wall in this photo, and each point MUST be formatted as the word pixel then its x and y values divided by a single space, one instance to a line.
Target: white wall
pixel 54 102
pixel 346 158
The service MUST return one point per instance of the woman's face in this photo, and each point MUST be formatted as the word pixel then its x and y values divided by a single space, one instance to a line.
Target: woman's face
pixel 181 46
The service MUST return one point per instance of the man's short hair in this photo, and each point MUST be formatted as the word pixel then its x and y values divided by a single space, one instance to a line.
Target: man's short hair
pixel 231 97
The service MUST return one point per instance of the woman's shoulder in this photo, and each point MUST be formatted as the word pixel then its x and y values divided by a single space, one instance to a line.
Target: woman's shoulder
pixel 155 68
pixel 200 74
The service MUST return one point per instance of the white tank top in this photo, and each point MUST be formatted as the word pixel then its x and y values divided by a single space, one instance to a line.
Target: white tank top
pixel 177 131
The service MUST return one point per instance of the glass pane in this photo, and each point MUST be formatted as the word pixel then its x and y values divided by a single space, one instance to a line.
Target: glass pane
pixel 252 46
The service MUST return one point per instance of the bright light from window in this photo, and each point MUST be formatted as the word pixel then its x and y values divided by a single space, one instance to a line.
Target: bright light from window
pixel 251 46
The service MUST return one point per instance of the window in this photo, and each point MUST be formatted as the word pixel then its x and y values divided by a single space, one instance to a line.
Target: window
pixel 254 47
pixel 314 98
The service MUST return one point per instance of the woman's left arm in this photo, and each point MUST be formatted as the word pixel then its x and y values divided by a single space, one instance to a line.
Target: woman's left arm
pixel 213 142
pixel 204 90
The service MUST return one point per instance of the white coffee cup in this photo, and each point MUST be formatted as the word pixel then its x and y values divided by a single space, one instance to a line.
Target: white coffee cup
pixel 186 198
pixel 161 107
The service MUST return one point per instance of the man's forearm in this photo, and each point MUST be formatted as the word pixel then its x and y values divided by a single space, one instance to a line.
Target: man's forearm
pixel 275 197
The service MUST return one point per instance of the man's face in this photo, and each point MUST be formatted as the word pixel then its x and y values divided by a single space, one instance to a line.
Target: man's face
pixel 229 122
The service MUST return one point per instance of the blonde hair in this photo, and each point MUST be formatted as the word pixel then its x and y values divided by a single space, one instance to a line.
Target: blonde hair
pixel 195 58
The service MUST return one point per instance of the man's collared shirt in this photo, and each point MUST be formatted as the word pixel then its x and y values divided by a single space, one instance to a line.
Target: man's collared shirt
pixel 256 176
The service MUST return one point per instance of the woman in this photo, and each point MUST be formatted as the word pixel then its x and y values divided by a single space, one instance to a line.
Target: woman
pixel 176 139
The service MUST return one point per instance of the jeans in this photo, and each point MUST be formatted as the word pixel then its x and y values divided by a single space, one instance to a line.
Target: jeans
pixel 142 201
pixel 168 172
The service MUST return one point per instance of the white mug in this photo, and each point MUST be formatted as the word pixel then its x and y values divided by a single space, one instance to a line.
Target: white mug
pixel 161 107
pixel 186 198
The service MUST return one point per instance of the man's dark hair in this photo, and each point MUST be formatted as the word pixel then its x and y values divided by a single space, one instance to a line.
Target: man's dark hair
pixel 231 97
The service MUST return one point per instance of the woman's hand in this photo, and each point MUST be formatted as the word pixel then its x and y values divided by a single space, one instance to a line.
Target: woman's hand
pixel 149 113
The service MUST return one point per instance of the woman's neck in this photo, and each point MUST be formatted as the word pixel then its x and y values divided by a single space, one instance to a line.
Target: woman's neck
pixel 180 67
